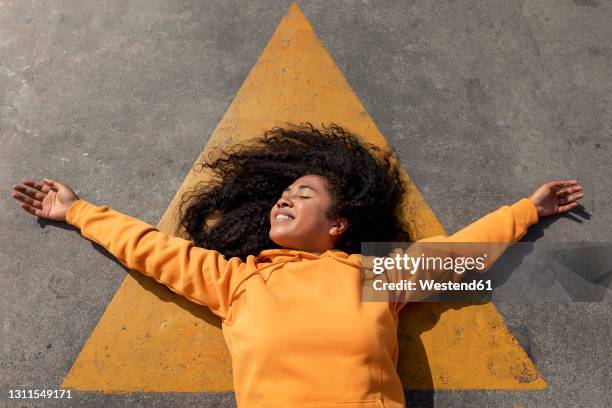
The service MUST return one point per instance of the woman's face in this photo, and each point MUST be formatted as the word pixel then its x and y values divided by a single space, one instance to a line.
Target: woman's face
pixel 298 220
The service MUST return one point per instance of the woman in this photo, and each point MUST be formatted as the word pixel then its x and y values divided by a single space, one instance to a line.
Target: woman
pixel 273 249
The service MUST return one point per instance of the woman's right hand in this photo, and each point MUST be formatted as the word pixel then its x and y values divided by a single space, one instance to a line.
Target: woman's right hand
pixel 47 199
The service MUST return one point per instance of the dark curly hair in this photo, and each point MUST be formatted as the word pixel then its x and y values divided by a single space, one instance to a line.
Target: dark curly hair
pixel 229 212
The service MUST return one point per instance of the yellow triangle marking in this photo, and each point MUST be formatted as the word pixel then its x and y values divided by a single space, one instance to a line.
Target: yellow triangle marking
pixel 152 340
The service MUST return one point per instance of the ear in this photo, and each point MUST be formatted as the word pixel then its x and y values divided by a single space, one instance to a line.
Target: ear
pixel 338 227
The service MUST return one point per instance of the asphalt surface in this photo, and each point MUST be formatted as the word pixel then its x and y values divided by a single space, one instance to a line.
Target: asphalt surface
pixel 483 100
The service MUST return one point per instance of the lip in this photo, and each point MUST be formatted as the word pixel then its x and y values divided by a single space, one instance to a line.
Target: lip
pixel 282 212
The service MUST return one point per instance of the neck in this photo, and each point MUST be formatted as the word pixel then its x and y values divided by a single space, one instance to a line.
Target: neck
pixel 317 252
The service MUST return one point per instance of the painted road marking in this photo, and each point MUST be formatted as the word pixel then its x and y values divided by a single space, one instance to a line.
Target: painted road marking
pixel 152 340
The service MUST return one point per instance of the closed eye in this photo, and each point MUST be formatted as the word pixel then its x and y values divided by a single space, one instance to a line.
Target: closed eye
pixel 303 197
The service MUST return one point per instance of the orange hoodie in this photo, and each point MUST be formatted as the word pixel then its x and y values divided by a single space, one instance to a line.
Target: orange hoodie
pixel 294 323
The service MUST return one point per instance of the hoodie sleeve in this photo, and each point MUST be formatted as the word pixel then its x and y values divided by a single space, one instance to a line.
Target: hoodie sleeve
pixel 508 224
pixel 494 233
pixel 200 275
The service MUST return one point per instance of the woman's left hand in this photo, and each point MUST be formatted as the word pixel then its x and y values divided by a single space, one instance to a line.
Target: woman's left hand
pixel 556 197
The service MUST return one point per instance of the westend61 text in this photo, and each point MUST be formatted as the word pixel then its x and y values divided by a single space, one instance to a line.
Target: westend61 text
pixel 430 284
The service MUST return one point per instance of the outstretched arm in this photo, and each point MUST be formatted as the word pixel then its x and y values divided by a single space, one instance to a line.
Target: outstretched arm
pixel 495 232
pixel 202 276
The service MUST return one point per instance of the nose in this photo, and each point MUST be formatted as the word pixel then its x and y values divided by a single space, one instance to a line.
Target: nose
pixel 284 202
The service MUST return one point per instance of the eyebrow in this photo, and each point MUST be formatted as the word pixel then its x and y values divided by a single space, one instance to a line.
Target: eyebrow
pixel 302 186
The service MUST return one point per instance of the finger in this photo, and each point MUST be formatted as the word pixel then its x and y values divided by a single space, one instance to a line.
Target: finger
pixel 554 185
pixel 575 197
pixel 568 207
pixel 31 210
pixel 570 198
pixel 36 185
pixel 36 194
pixel 55 184
pixel 559 184
pixel 568 190
pixel 44 187
pixel 27 200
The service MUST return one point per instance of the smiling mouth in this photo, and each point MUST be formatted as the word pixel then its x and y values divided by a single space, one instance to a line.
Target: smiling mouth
pixel 283 218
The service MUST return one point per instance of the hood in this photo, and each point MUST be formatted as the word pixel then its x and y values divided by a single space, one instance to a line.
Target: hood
pixel 287 255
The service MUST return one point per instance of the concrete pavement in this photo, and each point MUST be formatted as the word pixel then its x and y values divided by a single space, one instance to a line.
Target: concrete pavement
pixel 484 102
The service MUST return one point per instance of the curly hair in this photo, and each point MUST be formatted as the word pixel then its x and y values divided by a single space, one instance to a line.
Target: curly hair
pixel 229 212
